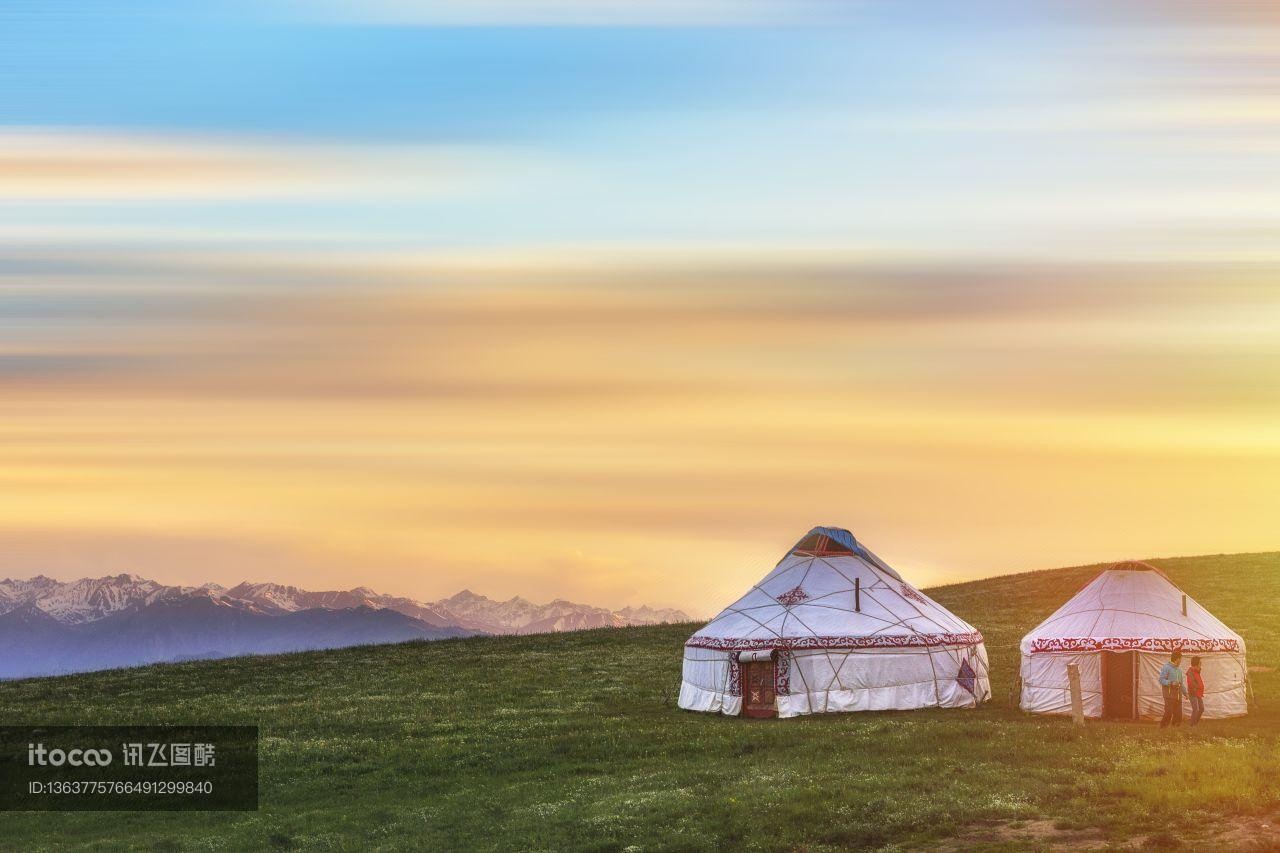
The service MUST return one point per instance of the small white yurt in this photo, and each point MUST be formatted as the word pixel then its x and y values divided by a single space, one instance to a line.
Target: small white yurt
pixel 1119 630
pixel 832 628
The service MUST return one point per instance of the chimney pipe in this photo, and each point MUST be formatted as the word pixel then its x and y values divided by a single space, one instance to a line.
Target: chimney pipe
pixel 1184 604
pixel 857 596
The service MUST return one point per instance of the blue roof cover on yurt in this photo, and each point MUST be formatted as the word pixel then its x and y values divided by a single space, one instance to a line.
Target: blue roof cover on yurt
pixel 828 540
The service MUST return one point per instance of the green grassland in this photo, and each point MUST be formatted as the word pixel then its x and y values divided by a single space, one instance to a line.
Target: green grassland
pixel 573 741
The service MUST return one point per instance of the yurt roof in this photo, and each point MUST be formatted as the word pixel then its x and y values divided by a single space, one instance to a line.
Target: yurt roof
pixel 1131 606
pixel 830 591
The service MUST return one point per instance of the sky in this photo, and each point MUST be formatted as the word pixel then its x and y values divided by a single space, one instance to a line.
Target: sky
pixel 614 300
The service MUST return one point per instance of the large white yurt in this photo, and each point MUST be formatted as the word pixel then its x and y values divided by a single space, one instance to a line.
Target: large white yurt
pixel 832 628
pixel 1119 630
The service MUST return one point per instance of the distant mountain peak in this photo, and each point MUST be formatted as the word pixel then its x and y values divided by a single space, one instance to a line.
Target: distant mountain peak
pixel 518 615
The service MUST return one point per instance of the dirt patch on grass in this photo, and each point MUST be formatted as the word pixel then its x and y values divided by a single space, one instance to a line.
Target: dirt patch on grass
pixel 1242 832
pixel 1248 832
pixel 1025 834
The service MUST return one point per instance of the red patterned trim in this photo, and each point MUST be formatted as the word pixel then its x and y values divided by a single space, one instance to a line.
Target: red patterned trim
pixel 908 592
pixel 893 641
pixel 793 596
pixel 735 676
pixel 782 674
pixel 1145 644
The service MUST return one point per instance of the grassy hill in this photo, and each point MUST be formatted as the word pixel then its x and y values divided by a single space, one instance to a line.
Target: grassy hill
pixel 574 741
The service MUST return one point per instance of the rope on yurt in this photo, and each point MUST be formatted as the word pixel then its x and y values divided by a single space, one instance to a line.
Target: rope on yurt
pixel 836 670
pixel 933 666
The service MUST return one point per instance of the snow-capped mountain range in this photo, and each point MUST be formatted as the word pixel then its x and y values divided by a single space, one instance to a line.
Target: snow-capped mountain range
pixel 49 626
pixel 90 599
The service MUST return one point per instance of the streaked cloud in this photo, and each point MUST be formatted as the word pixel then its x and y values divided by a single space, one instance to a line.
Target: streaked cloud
pixel 686 13
pixel 634 413
pixel 66 164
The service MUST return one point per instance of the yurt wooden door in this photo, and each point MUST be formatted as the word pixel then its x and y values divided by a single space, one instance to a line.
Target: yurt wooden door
pixel 757 689
pixel 1119 685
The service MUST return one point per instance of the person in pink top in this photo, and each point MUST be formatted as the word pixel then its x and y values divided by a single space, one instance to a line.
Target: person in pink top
pixel 1195 690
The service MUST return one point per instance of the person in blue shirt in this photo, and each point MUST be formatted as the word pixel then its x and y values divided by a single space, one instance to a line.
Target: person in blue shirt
pixel 1173 684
